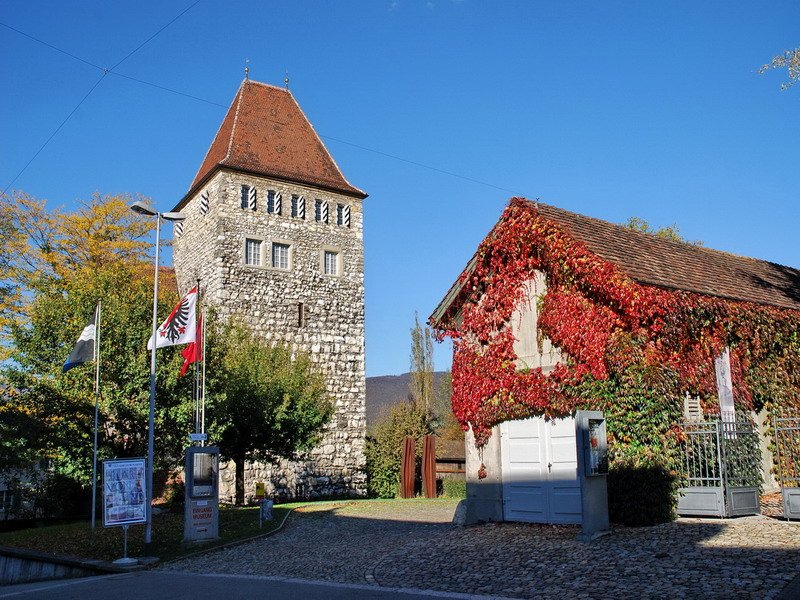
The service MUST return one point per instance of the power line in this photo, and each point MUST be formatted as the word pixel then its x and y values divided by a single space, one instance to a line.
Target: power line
pixel 112 71
pixel 419 164
pixel 56 48
pixel 144 43
pixel 105 72
pixel 52 135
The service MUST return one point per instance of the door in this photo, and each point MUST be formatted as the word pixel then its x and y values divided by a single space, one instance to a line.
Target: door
pixel 540 471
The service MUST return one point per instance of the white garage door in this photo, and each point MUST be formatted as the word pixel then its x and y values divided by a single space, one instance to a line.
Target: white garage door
pixel 540 471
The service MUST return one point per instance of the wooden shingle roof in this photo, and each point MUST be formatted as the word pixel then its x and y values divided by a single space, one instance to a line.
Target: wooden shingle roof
pixel 652 260
pixel 265 132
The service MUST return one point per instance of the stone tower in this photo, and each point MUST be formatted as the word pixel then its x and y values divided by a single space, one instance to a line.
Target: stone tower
pixel 274 232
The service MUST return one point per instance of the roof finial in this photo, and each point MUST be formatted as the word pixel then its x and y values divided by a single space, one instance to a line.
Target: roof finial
pixel 247 69
pixel 286 80
pixel 536 202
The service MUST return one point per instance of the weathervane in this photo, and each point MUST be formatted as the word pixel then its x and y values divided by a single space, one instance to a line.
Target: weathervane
pixel 247 69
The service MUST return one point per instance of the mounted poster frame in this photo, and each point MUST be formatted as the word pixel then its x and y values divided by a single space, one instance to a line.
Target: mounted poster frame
pixel 124 491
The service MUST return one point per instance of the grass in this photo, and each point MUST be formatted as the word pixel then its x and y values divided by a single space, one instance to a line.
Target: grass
pixel 77 539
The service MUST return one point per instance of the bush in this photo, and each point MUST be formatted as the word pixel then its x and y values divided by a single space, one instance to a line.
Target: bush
pixel 640 494
pixel 384 448
pixel 454 488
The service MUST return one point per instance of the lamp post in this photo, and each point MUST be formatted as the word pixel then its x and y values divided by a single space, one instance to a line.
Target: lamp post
pixel 144 209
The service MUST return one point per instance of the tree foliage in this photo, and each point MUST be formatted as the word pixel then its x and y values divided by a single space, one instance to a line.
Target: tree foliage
pixel 384 448
pixel 56 265
pixel 267 404
pixel 421 381
pixel 669 232
pixel 789 60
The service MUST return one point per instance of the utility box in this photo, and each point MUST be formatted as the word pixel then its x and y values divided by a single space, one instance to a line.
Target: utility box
pixel 201 513
pixel 590 430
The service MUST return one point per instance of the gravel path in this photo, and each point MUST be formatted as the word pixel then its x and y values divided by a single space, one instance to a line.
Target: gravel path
pixel 412 544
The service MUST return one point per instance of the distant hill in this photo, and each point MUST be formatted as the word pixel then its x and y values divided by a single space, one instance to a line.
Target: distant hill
pixel 384 391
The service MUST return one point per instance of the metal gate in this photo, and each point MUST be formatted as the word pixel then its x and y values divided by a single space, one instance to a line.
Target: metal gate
pixel 787 454
pixel 722 468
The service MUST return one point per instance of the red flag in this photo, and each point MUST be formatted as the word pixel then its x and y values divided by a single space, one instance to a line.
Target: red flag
pixel 193 352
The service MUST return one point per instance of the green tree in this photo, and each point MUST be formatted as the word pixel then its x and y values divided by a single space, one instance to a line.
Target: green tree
pixel 421 381
pixel 789 60
pixel 267 404
pixel 669 232
pixel 59 265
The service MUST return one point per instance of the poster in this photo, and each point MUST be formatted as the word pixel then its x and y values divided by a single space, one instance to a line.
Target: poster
pixel 124 492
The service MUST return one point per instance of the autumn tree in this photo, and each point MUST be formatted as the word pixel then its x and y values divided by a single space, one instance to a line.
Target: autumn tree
pixel 56 265
pixel 789 60
pixel 268 403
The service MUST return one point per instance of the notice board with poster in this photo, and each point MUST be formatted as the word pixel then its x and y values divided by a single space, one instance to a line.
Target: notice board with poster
pixel 124 491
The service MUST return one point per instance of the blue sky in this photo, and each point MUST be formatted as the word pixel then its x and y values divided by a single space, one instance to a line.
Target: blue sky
pixel 610 109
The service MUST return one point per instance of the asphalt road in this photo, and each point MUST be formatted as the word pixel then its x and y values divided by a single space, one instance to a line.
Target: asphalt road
pixel 190 586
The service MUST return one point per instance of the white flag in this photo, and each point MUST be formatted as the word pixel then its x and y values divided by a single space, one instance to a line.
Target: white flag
pixel 179 328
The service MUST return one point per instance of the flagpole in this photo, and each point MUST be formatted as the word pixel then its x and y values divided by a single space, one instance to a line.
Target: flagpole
pixel 196 387
pixel 203 356
pixel 96 410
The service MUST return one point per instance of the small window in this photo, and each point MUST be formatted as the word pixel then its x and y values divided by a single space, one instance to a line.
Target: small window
pixel 321 211
pixel 294 207
pixel 340 214
pixel 248 197
pixel 274 202
pixel 301 314
pixel 331 262
pixel 252 252
pixel 280 256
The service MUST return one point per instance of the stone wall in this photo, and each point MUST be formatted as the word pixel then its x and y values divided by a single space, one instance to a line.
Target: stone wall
pixel 269 301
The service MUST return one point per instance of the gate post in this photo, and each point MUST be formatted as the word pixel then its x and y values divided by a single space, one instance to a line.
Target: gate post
pixel 592 453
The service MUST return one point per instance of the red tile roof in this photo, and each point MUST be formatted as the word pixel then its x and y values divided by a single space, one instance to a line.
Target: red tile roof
pixel 266 133
pixel 656 261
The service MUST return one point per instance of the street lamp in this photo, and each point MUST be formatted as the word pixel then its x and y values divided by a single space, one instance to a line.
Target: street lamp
pixel 144 209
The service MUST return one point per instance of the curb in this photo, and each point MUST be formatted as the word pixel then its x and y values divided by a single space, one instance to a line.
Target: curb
pixel 235 542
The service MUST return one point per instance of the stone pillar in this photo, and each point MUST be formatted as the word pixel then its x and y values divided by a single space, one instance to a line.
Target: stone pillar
pixel 484 496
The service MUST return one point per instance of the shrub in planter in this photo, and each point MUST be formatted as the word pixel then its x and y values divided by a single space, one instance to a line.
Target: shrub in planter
pixel 640 494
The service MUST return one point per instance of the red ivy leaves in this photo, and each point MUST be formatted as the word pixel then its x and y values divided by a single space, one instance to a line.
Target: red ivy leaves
pixel 589 311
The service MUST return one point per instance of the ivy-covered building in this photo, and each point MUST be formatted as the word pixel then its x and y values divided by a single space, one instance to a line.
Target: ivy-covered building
pixel 558 311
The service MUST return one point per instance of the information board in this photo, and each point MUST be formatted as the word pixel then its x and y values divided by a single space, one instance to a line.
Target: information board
pixel 124 491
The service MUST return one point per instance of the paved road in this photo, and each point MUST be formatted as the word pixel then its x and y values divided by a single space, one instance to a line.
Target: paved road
pixel 157 585
pixel 412 544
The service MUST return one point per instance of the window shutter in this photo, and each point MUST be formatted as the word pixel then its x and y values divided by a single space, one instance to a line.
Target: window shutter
pixel 251 198
pixel 324 212
pixel 204 202
pixel 178 228
pixel 301 207
pixel 278 203
pixel 347 215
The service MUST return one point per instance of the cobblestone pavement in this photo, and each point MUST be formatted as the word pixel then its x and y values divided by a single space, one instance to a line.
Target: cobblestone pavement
pixel 412 544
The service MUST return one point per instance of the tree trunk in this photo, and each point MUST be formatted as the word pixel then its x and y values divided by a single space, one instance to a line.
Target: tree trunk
pixel 239 462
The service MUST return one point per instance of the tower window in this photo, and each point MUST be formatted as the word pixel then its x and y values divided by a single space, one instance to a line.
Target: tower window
pixel 280 256
pixel 274 202
pixel 248 197
pixel 340 214
pixel 252 252
pixel 331 260
pixel 320 211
